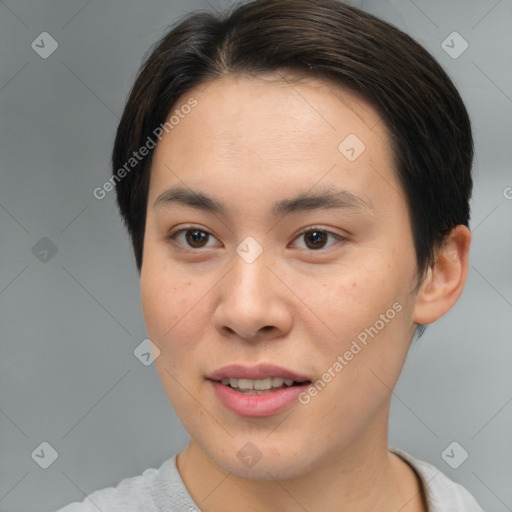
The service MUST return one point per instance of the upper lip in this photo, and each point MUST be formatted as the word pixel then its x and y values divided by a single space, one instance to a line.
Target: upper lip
pixel 260 371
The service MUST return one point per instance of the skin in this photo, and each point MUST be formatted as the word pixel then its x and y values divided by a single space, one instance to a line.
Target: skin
pixel 250 142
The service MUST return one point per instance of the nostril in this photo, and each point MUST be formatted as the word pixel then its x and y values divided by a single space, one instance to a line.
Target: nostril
pixel 253 335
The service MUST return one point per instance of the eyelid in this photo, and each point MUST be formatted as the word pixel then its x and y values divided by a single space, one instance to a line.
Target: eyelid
pixel 317 228
pixel 340 238
pixel 172 234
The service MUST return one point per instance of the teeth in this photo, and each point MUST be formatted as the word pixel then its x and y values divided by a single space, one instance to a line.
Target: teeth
pixel 262 384
pixel 257 384
pixel 244 383
pixel 277 382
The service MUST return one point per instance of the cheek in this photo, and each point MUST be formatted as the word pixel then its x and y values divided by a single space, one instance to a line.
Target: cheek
pixel 172 305
pixel 351 296
pixel 368 311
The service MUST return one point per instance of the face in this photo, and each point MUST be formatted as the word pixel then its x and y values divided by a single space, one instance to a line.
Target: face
pixel 298 264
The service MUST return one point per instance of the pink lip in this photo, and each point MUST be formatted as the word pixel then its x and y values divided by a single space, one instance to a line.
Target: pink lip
pixel 256 406
pixel 261 371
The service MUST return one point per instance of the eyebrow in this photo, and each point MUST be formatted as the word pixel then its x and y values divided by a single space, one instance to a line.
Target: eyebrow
pixel 332 198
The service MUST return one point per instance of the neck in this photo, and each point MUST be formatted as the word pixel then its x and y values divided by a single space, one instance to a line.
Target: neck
pixel 362 476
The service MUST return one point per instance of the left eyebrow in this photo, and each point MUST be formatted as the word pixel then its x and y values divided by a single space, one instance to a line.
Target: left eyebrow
pixel 327 199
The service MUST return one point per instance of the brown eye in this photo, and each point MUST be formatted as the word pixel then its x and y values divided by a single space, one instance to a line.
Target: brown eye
pixel 196 238
pixel 316 239
pixel 193 238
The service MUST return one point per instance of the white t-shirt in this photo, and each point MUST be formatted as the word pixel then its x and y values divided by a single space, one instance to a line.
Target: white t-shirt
pixel 163 490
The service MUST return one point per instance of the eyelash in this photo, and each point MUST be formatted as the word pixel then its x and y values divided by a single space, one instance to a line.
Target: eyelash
pixel 171 237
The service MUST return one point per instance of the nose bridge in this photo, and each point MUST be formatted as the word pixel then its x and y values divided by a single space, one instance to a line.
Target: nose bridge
pixel 250 277
pixel 250 300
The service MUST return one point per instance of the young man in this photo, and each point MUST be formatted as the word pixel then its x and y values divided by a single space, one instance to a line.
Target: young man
pixel 295 178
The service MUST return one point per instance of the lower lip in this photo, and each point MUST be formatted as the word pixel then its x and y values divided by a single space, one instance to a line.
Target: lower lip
pixel 257 406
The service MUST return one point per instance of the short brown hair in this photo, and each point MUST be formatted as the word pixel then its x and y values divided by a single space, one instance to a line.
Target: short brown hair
pixel 427 121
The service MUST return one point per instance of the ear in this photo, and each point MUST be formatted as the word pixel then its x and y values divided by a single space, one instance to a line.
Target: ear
pixel 445 280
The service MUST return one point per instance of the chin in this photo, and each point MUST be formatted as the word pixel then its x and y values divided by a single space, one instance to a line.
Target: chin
pixel 264 462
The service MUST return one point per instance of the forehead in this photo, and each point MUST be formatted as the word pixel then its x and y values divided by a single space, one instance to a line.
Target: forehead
pixel 299 109
pixel 248 132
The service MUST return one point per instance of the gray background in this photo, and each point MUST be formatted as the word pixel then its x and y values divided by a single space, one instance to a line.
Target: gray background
pixel 69 325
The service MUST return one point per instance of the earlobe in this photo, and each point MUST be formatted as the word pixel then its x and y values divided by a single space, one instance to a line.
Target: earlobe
pixel 444 281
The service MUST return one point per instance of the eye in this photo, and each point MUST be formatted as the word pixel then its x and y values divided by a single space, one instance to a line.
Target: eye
pixel 193 238
pixel 316 237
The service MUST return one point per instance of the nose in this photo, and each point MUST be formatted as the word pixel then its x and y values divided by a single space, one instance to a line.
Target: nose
pixel 253 302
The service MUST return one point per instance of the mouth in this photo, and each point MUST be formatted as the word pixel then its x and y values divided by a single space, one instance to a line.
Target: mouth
pixel 260 386
pixel 257 391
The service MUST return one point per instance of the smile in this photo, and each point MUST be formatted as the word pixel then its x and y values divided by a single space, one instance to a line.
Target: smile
pixel 259 386
pixel 257 391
